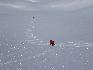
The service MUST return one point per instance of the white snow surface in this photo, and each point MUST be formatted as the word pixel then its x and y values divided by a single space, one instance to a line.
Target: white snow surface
pixel 35 54
pixel 76 55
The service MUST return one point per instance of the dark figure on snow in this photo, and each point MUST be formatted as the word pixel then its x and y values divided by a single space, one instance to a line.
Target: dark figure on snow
pixel 52 42
pixel 33 17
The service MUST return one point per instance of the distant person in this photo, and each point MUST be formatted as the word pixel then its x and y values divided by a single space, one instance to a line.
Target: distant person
pixel 33 17
pixel 52 42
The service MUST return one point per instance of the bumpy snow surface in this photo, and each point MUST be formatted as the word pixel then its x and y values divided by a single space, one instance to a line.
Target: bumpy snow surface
pixel 26 55
pixel 35 54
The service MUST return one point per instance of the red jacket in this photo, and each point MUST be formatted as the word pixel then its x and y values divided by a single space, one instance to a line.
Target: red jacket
pixel 52 42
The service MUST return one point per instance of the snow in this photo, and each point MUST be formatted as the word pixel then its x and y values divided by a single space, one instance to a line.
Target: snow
pixel 45 57
pixel 33 53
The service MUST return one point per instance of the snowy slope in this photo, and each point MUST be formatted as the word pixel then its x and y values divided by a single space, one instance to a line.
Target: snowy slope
pixel 35 54
pixel 65 56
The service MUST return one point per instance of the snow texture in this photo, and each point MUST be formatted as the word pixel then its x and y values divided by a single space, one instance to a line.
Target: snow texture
pixel 35 54
pixel 27 56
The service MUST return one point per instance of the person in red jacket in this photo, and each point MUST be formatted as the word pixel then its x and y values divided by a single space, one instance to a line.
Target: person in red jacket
pixel 52 42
